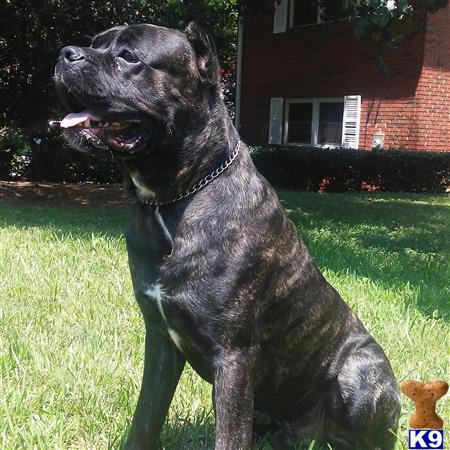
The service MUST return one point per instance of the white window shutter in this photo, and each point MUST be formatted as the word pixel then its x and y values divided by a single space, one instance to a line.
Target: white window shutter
pixel 276 120
pixel 351 120
pixel 280 16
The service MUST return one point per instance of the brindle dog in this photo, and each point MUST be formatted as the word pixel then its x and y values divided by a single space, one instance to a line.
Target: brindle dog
pixel 219 272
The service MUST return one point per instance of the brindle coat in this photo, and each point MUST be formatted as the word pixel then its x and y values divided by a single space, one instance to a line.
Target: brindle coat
pixel 221 276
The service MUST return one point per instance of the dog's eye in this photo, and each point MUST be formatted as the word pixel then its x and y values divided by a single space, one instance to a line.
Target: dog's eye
pixel 128 56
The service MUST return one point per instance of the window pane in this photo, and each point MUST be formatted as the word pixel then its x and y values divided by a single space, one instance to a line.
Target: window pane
pixel 339 13
pixel 300 118
pixel 330 123
pixel 305 12
pixel 334 11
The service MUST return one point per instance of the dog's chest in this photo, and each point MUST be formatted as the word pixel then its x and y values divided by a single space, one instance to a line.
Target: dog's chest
pixel 155 294
pixel 162 293
pixel 179 326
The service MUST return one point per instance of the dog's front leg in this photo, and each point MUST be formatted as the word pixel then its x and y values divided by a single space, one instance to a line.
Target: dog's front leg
pixel 233 400
pixel 162 369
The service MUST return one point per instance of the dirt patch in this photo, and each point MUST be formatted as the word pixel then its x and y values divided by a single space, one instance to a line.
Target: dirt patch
pixel 48 194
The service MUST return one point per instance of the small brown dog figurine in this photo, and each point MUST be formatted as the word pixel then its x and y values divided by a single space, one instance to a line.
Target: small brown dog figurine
pixel 424 396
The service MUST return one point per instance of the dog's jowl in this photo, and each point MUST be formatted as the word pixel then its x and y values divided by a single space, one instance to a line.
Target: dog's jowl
pixel 221 277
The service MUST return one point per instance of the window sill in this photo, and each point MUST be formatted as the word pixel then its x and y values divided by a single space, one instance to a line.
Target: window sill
pixel 292 144
pixel 327 22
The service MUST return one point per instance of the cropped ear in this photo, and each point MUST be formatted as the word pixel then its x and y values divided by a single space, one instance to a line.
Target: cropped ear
pixel 205 52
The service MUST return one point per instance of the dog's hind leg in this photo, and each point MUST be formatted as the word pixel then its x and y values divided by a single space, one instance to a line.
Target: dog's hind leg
pixel 162 369
pixel 369 401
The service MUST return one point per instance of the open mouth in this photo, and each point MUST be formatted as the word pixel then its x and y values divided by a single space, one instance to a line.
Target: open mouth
pixel 125 136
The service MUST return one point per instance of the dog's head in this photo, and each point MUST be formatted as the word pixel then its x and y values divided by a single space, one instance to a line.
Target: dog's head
pixel 136 85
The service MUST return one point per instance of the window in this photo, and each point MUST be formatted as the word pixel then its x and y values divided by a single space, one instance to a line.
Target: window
pixel 330 123
pixel 315 122
pixel 304 12
pixel 300 120
pixel 327 122
pixel 309 12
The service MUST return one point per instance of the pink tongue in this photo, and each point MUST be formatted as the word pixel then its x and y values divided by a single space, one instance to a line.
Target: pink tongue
pixel 74 119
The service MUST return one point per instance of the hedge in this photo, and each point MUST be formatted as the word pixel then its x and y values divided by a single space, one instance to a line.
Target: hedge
pixel 45 157
pixel 56 162
pixel 337 170
pixel 296 168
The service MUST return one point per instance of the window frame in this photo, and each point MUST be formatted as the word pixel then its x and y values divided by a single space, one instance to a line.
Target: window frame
pixel 320 10
pixel 316 101
pixel 291 16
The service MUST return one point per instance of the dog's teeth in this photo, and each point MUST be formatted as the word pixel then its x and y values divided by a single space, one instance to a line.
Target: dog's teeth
pixel 87 123
pixel 53 124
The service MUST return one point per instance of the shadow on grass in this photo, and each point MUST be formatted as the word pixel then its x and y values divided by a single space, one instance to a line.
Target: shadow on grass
pixel 189 435
pixel 395 240
pixel 200 435
pixel 186 435
pixel 71 221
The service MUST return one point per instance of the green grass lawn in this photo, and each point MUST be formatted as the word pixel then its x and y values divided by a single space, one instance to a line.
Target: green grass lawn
pixel 71 335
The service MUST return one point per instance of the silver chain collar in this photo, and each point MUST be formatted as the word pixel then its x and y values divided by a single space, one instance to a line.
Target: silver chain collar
pixel 204 181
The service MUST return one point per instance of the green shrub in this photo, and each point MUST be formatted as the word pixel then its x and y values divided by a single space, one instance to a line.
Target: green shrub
pixel 56 162
pixel 14 151
pixel 40 156
pixel 337 170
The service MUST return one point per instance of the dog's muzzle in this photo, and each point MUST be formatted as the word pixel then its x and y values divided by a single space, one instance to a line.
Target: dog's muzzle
pixel 93 121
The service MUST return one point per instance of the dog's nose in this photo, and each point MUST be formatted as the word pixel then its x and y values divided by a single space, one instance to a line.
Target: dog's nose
pixel 72 54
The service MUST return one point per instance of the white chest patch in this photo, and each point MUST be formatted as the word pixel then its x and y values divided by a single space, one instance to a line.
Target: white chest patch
pixel 156 294
pixel 163 226
pixel 144 193
pixel 176 339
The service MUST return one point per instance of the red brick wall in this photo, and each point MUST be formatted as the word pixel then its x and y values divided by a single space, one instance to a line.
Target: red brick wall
pixel 433 91
pixel 408 104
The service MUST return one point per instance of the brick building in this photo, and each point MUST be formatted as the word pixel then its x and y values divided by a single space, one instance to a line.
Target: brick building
pixel 303 82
